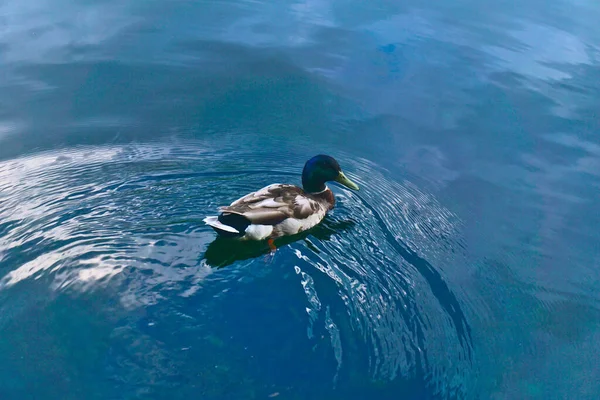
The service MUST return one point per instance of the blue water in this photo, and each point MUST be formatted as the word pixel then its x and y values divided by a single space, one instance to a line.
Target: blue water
pixel 465 268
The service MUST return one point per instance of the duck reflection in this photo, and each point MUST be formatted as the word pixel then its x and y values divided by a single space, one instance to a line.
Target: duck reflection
pixel 224 251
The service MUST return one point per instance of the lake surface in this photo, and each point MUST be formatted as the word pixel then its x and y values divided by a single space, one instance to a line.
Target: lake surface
pixel 465 268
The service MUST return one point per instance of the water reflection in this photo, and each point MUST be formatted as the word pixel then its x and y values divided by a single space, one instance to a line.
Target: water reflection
pixel 472 253
pixel 137 231
pixel 222 251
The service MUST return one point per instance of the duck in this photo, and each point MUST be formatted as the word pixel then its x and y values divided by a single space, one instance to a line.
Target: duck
pixel 281 209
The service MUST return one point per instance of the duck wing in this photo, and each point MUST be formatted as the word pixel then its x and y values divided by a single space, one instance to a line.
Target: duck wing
pixel 273 204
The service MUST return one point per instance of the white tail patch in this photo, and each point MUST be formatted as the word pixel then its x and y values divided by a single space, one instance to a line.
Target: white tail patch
pixel 258 232
pixel 214 222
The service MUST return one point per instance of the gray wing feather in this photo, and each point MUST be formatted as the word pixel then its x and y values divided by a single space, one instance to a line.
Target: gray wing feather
pixel 274 204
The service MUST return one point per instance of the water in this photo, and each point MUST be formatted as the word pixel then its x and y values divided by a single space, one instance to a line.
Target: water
pixel 465 268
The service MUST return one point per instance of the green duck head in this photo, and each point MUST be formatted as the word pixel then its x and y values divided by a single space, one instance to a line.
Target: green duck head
pixel 321 169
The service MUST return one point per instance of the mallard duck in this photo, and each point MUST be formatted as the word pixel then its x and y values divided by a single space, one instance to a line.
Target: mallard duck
pixel 282 209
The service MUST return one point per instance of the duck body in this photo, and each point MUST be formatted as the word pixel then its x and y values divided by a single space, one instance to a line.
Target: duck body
pixel 282 209
pixel 271 212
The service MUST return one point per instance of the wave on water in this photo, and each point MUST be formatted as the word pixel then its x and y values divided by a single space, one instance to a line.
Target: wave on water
pixel 128 219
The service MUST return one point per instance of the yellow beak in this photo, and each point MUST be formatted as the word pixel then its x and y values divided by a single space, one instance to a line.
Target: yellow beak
pixel 341 178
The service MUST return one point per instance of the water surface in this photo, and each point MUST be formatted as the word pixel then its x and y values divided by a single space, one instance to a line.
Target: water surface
pixel 465 268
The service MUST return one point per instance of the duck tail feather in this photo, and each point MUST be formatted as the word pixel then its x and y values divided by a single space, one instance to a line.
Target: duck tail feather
pixel 213 221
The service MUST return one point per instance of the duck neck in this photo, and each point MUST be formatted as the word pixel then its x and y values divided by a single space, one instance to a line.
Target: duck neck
pixel 327 196
pixel 312 186
pixel 318 189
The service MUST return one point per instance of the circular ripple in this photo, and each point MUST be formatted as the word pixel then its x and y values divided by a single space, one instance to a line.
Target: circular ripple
pixel 128 219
